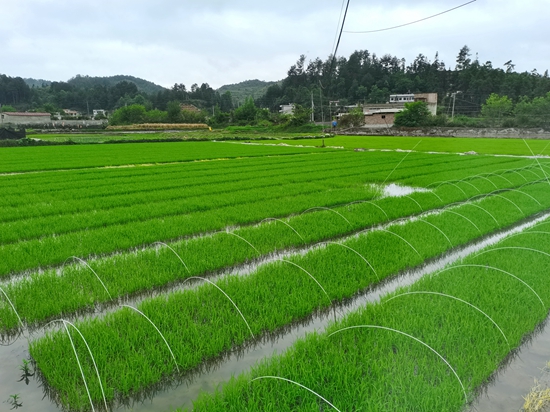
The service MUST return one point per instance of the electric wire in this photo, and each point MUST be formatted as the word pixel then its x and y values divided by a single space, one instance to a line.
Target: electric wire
pixel 338 25
pixel 412 22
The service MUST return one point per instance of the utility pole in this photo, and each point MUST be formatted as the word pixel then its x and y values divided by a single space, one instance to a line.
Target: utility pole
pixel 322 113
pixel 312 107
pixel 454 100
pixel 330 106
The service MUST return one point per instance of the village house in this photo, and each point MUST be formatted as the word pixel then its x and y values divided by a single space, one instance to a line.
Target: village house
pixel 71 113
pixel 189 108
pixel 98 112
pixel 287 108
pixel 383 115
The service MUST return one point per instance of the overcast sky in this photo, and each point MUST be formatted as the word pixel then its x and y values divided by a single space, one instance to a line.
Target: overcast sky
pixel 223 42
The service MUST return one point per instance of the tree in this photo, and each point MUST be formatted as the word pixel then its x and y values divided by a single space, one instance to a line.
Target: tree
pixel 496 108
pixel 226 102
pixel 7 108
pixel 378 95
pixel 246 114
pixel 133 114
pixel 173 110
pixel 414 115
pixel 220 118
pixel 463 59
pixel 533 113
pixel 355 118
pixel 300 116
pixel 156 116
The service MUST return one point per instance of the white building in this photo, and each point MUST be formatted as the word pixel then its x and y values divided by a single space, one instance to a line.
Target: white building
pixel 401 98
pixel 287 108
pixel 99 112
pixel 71 113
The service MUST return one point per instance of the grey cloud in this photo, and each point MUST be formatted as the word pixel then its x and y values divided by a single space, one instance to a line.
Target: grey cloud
pixel 229 41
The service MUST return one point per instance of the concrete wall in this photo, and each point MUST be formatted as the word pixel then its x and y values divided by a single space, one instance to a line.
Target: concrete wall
pixel 60 124
pixel 509 133
pixel 23 118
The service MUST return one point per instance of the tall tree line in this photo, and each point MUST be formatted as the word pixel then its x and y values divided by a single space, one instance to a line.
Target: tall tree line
pixel 366 78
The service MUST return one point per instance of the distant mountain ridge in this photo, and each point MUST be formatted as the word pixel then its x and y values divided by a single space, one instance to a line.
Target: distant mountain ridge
pixel 37 82
pixel 249 88
pixel 87 82
pixel 239 91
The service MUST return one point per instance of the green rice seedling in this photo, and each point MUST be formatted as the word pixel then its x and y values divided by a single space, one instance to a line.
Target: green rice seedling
pixel 457 299
pixel 175 253
pixel 465 218
pixel 283 222
pixel 486 211
pixel 86 295
pixel 26 372
pixel 80 367
pixel 403 239
pixel 227 296
pixel 92 270
pixel 438 229
pixel 106 222
pixel 325 208
pixel 298 384
pixel 244 240
pixel 358 254
pixel 361 363
pixel 310 275
pixel 274 296
pixel 157 329
pixel 13 309
pixel 15 401
pixel 81 156
pixel 413 338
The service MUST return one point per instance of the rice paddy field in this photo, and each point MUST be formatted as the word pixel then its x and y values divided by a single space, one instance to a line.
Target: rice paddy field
pixel 378 280
pixel 232 133
pixel 432 144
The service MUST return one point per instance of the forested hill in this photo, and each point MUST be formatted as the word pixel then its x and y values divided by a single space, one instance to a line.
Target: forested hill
pixel 37 82
pixel 88 82
pixel 248 88
pixel 364 77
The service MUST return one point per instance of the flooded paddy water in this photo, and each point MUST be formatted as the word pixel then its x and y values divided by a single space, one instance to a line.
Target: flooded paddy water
pixel 504 393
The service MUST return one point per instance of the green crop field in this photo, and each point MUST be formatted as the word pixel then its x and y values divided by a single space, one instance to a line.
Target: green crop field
pixel 231 133
pixel 435 144
pixel 128 267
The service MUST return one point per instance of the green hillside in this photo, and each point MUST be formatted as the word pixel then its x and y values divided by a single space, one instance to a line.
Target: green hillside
pixel 248 88
pixel 87 82
pixel 37 82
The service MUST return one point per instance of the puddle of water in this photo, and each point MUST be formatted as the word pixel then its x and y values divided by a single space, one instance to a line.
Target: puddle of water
pixel 31 396
pixel 509 387
pixel 395 190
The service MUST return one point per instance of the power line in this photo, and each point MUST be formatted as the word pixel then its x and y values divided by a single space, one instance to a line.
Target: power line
pixel 337 44
pixel 342 29
pixel 338 25
pixel 412 22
